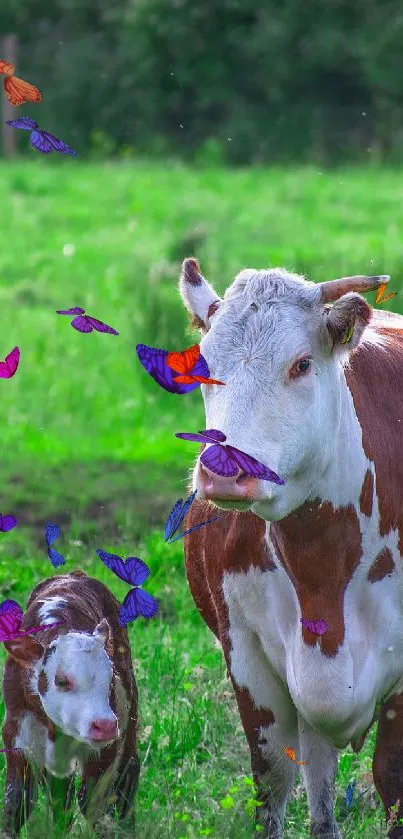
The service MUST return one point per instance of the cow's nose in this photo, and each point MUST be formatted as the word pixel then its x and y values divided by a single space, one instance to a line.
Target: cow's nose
pixel 235 488
pixel 104 730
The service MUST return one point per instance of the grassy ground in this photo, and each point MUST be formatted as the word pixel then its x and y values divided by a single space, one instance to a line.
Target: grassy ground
pixel 88 439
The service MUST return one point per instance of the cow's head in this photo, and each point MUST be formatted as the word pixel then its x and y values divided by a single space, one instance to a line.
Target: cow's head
pixel 280 349
pixel 72 677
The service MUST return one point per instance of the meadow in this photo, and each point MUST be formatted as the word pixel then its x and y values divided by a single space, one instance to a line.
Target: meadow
pixel 87 438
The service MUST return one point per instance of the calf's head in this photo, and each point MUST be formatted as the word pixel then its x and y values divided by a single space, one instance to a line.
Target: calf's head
pixel 280 349
pixel 73 677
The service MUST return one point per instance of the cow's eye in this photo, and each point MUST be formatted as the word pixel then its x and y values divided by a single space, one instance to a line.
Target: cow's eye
pixel 301 367
pixel 62 682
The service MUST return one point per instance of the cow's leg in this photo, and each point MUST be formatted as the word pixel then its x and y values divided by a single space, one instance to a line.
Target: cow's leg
pixel 96 789
pixel 387 765
pixel 270 722
pixel 319 776
pixel 20 794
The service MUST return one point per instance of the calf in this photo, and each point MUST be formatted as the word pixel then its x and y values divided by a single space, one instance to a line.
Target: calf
pixel 71 704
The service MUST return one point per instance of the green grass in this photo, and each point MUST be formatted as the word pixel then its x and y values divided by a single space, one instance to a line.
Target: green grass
pixel 88 439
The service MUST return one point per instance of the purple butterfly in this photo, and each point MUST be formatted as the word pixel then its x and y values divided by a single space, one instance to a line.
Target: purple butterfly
pixel 227 460
pixel 85 323
pixel 7 523
pixel 40 140
pixel 52 532
pixel 154 361
pixel 317 627
pixel 11 616
pixel 133 571
pixel 177 515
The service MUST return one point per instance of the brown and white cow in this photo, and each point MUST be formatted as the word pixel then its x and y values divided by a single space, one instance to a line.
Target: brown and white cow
pixel 71 704
pixel 315 391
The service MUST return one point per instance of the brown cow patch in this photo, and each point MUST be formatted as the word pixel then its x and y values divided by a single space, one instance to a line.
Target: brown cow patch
pixel 320 564
pixel 367 494
pixel 382 565
pixel 43 684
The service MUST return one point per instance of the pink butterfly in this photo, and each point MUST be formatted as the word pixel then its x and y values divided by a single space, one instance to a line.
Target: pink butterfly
pixel 11 616
pixel 86 323
pixel 227 460
pixel 8 368
pixel 316 627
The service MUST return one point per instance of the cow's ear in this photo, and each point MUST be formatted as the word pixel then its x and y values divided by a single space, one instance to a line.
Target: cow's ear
pixel 345 322
pixel 198 295
pixel 25 649
pixel 103 633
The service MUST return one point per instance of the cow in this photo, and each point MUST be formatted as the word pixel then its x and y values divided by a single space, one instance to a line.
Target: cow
pixel 313 389
pixel 71 704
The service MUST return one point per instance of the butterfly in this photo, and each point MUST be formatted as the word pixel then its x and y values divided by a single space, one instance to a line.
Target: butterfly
pixel 177 515
pixel 350 794
pixel 134 572
pixel 155 362
pixel 39 139
pixel 52 532
pixel 317 627
pixel 7 523
pixel 85 323
pixel 379 294
pixel 183 363
pixel 11 616
pixel 17 90
pixel 8 368
pixel 227 460
pixel 291 753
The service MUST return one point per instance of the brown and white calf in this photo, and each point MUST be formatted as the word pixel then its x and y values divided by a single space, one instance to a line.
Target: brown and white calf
pixel 315 391
pixel 71 704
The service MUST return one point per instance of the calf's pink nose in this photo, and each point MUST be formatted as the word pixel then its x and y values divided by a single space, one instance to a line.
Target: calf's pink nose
pixel 235 488
pixel 104 730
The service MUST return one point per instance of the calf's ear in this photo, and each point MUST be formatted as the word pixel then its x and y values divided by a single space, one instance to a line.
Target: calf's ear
pixel 345 322
pixel 198 295
pixel 103 633
pixel 26 650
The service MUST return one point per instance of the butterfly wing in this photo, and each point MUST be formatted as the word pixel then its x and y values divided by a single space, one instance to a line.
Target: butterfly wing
pixel 183 362
pixel 100 326
pixel 136 570
pixel 219 460
pixel 7 523
pixel 137 603
pixel 6 68
pixel 75 310
pixel 26 123
pixel 10 619
pixel 124 570
pixel 19 91
pixel 316 627
pixel 196 527
pixel 154 361
pixel 56 558
pixel 56 144
pixel 174 519
pixel 40 628
pixel 39 142
pixel 52 532
pixel 212 435
pixel 12 361
pixel 253 467
pixel 350 794
pixel 202 380
pixel 81 323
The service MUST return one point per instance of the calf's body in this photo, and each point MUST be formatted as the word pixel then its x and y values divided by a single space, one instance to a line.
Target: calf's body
pixel 71 704
pixel 327 545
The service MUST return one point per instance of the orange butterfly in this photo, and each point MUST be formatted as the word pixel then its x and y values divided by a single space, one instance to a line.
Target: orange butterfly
pixel 16 90
pixel 183 363
pixel 379 294
pixel 292 755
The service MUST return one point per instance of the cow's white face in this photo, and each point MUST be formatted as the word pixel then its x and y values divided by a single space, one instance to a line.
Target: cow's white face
pixel 74 685
pixel 269 341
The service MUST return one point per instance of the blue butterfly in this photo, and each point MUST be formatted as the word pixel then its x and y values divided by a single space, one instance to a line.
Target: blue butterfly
pixel 350 793
pixel 52 532
pixel 177 515
pixel 133 571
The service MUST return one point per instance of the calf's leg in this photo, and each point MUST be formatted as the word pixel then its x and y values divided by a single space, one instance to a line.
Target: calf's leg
pixel 60 793
pixel 387 765
pixel 20 794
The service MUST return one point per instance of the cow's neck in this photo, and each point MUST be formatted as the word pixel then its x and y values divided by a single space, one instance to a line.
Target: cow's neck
pixel 321 544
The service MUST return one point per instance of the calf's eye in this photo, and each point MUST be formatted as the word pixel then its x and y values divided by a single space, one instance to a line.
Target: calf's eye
pixel 62 683
pixel 300 367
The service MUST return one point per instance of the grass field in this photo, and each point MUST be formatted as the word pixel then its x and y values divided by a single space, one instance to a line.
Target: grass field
pixel 88 439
